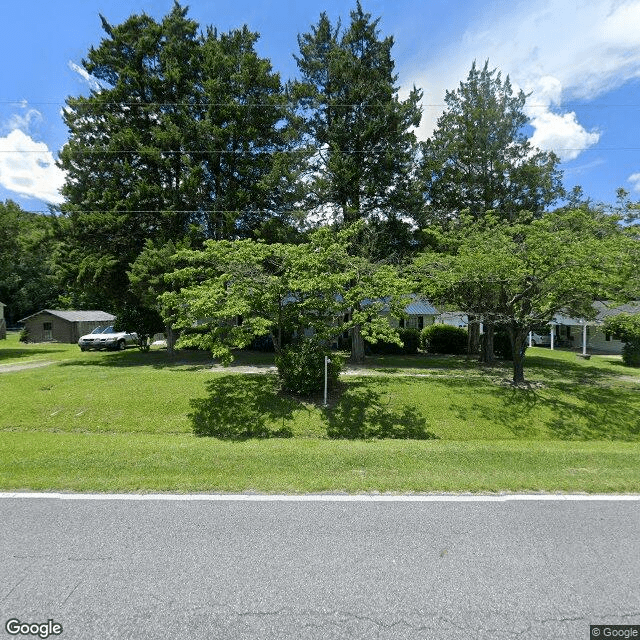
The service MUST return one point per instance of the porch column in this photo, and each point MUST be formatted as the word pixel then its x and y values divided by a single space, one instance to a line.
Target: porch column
pixel 584 339
pixel 552 335
pixel 530 339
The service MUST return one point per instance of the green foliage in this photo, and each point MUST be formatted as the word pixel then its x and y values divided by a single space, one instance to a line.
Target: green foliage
pixel 351 109
pixel 190 128
pixel 626 327
pixel 140 319
pixel 502 345
pixel 301 367
pixel 631 353
pixel 410 339
pixel 28 247
pixel 443 338
pixel 24 335
pixel 522 274
pixel 479 158
pixel 241 290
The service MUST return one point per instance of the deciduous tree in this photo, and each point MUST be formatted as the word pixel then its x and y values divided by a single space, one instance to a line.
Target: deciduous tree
pixel 522 274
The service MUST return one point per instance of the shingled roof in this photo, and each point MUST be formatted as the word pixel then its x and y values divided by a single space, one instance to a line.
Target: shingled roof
pixel 76 316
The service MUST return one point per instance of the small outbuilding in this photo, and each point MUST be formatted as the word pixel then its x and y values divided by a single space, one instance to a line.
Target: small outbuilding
pixel 3 323
pixel 52 325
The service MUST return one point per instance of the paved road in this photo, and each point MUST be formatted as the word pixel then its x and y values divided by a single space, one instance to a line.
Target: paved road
pixel 114 569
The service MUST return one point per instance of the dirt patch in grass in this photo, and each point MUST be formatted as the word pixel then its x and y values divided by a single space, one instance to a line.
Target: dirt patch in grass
pixel 8 368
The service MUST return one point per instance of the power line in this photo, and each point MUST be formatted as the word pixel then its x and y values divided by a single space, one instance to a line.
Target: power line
pixel 257 152
pixel 20 103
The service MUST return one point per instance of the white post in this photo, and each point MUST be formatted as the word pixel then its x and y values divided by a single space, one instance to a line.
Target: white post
pixel 530 345
pixel 584 339
pixel 553 331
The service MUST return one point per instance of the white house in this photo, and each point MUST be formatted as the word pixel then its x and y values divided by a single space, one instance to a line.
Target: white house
pixel 588 334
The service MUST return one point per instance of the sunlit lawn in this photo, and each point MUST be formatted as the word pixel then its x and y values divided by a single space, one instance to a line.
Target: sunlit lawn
pixel 125 422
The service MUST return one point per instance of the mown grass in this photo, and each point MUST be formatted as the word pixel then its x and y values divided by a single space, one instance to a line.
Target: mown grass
pixel 125 422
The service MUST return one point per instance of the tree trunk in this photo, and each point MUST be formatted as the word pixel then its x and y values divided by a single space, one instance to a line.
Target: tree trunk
pixel 357 345
pixel 518 338
pixel 171 339
pixel 473 343
pixel 487 356
pixel 276 339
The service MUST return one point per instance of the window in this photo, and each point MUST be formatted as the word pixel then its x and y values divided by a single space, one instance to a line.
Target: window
pixel 47 331
pixel 420 322
pixel 607 336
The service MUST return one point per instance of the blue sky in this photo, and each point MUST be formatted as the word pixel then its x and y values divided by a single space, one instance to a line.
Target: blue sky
pixel 580 59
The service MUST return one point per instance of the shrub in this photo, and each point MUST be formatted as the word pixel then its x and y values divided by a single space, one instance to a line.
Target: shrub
pixel 443 338
pixel 301 367
pixel 409 337
pixel 411 340
pixel 502 345
pixel 631 353
pixel 626 327
pixel 24 335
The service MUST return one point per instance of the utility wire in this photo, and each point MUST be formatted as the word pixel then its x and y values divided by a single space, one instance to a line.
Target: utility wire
pixel 20 103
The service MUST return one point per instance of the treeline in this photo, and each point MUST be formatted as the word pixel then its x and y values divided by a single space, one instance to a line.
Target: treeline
pixel 194 145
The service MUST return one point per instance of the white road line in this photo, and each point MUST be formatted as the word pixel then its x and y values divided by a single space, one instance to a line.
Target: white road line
pixel 324 497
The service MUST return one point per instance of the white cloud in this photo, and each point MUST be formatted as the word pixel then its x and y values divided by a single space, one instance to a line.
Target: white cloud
pixel 28 168
pixel 634 179
pixel 559 51
pixel 93 82
pixel 562 134
pixel 23 122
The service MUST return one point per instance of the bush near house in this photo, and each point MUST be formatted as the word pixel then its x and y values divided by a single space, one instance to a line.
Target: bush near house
pixel 443 338
pixel 626 327
pixel 410 343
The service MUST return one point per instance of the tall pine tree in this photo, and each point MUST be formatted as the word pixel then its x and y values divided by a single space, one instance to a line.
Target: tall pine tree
pixel 479 157
pixel 188 136
pixel 354 119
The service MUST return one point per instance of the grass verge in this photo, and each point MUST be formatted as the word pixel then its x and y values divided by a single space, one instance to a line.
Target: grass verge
pixel 148 463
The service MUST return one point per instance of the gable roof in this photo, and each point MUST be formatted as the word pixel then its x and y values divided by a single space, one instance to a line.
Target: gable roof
pixel 421 307
pixel 603 311
pixel 76 316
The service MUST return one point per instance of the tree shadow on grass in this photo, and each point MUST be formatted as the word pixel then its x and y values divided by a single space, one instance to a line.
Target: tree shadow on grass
pixel 244 406
pixel 579 411
pixel 10 354
pixel 361 412
pixel 599 414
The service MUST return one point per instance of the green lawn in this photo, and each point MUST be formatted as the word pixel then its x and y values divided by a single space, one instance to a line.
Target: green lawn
pixel 125 421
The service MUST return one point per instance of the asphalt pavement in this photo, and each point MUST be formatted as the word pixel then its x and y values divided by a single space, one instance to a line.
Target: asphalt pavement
pixel 318 569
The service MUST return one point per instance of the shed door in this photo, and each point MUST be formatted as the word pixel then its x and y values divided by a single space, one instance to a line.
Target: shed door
pixel 47 331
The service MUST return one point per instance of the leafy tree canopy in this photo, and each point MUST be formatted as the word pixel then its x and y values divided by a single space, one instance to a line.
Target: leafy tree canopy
pixel 28 278
pixel 189 130
pixel 522 274
pixel 233 291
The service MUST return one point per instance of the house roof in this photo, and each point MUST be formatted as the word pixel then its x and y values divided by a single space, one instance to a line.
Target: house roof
pixel 420 307
pixel 603 309
pixel 76 316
